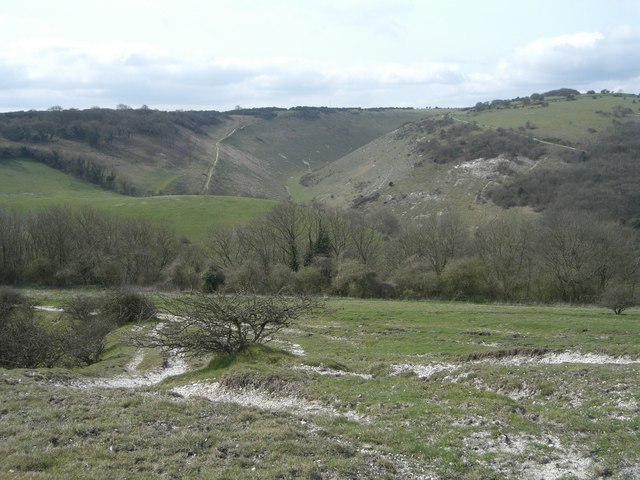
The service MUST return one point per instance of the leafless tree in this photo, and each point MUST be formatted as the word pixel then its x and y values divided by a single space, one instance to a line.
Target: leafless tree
pixel 223 243
pixel 13 247
pixel 338 225
pixel 289 222
pixel 505 245
pixel 215 323
pixel 438 239
pixel 364 241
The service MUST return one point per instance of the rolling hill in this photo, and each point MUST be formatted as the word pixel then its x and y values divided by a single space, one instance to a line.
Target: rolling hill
pixel 190 169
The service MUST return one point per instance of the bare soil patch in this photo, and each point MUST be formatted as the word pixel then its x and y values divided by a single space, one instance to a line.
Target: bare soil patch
pixel 175 364
pixel 263 398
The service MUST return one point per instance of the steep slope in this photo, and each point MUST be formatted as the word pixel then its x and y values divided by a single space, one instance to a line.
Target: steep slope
pixel 259 159
pixel 464 159
pixel 129 151
pixel 436 163
pixel 147 152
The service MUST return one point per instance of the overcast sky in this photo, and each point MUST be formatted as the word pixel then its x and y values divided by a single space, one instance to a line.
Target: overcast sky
pixel 216 54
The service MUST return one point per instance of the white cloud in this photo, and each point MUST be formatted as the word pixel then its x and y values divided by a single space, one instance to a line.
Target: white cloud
pixel 39 72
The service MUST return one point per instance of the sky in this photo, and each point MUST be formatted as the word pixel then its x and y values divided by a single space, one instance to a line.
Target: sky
pixel 219 54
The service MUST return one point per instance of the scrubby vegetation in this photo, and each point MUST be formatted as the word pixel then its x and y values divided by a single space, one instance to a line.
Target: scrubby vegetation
pixel 603 182
pixel 31 338
pixel 393 389
pixel 223 324
pixel 466 141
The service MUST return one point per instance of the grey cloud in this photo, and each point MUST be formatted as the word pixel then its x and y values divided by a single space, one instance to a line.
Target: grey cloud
pixel 612 57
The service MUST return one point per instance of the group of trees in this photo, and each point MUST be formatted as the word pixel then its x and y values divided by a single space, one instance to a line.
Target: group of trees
pixel 558 256
pixel 534 98
pixel 63 246
pixel 99 127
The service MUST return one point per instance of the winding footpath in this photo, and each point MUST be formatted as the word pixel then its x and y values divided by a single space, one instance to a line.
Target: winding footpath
pixel 205 189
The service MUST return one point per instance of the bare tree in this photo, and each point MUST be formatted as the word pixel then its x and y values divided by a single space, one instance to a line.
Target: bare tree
pixel 205 324
pixel 505 245
pixel 289 221
pixel 365 242
pixel 438 239
pixel 13 247
pixel 256 240
pixel 224 245
pixel 338 226
pixel 585 254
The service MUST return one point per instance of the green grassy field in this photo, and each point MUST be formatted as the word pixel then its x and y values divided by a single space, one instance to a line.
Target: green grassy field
pixel 567 120
pixel 374 389
pixel 28 185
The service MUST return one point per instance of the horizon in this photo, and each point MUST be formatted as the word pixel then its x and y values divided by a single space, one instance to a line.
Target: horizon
pixel 125 107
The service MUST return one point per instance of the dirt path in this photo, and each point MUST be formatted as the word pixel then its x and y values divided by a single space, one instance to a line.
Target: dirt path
pixel 205 189
pixel 132 378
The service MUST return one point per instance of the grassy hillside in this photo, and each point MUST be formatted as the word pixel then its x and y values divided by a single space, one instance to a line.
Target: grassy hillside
pixel 148 152
pixel 456 159
pixel 392 173
pixel 575 122
pixel 26 185
pixel 374 389
pixel 130 151
pixel 410 161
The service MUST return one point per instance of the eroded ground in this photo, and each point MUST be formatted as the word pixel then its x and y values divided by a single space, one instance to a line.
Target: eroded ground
pixel 366 390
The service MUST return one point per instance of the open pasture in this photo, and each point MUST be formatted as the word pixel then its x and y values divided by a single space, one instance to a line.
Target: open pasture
pixel 362 389
pixel 28 185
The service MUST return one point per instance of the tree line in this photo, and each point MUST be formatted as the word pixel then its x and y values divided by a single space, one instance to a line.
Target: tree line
pixel 556 256
pixel 64 246
pixel 100 127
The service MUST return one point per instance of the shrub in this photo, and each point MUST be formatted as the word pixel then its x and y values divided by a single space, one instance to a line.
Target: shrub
pixel 618 297
pixel 415 278
pixel 248 277
pixel 127 306
pixel 213 280
pixel 215 323
pixel 355 279
pixel 87 329
pixel 280 279
pixel 464 279
pixel 24 343
pixel 81 307
pixel 309 280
